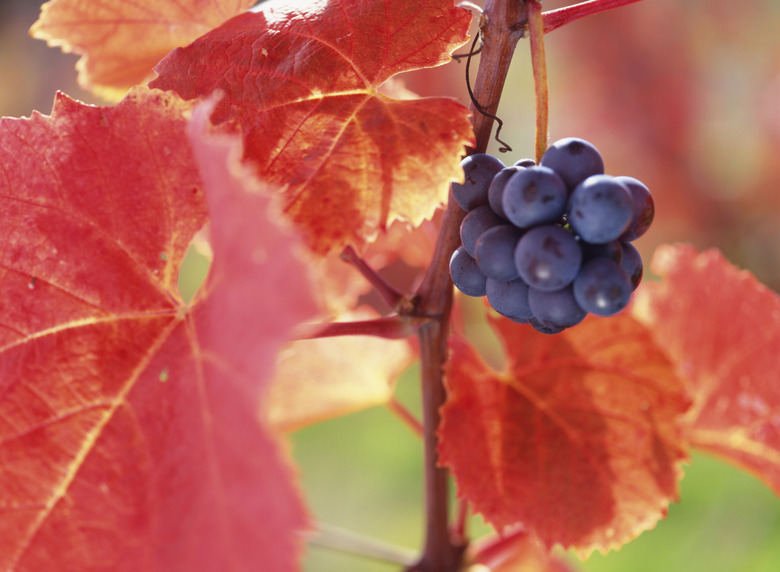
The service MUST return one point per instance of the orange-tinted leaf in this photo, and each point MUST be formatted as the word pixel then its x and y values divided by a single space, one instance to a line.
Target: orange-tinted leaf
pixel 721 327
pixel 121 41
pixel 323 378
pixel 577 439
pixel 302 86
pixel 129 437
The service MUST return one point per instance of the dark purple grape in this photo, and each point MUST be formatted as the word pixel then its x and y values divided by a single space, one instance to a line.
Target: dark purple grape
pixel 613 250
pixel 496 189
pixel 524 163
pixel 548 257
pixel 495 252
pixel 534 196
pixel 543 328
pixel 478 170
pixel 632 263
pixel 644 208
pixel 574 160
pixel 602 287
pixel 465 274
pixel 509 299
pixel 556 309
pixel 475 223
pixel 600 209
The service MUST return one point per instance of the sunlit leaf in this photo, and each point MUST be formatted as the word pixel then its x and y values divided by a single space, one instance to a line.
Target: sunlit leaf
pixel 302 86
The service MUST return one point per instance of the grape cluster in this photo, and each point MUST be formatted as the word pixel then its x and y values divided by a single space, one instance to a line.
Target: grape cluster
pixel 549 243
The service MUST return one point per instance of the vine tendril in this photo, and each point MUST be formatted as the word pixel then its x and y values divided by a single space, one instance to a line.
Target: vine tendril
pixel 478 38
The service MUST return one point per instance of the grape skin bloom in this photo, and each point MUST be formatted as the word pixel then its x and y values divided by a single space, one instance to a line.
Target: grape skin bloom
pixel 465 274
pixel 495 252
pixel 600 209
pixel 548 257
pixel 602 287
pixel 574 160
pixel 534 196
pixel 478 171
pixel 475 223
pixel 510 299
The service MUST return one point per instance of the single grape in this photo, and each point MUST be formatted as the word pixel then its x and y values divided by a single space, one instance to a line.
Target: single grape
pixel 548 257
pixel 509 299
pixel 632 263
pixel 496 188
pixel 534 196
pixel 574 160
pixel 600 209
pixel 524 163
pixel 494 252
pixel 478 170
pixel 475 223
pixel 602 287
pixel 556 309
pixel 465 274
pixel 644 208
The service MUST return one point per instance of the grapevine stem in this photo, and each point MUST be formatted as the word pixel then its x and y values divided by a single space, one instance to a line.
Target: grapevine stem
pixel 389 327
pixel 400 411
pixel 502 24
pixel 539 65
pixel 335 538
pixel 556 18
pixel 389 293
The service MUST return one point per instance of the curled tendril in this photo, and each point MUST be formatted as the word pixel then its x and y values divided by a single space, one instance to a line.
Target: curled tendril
pixel 472 52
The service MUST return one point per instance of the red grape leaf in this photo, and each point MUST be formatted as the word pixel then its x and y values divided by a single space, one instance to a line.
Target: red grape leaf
pixel 577 439
pixel 129 436
pixel 721 327
pixel 121 41
pixel 323 378
pixel 302 86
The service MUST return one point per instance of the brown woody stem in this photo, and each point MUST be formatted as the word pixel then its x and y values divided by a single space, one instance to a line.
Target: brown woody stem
pixel 502 24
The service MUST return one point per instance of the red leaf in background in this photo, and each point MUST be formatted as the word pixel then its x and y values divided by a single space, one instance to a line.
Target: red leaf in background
pixel 129 437
pixel 721 327
pixel 577 439
pixel 121 41
pixel 302 86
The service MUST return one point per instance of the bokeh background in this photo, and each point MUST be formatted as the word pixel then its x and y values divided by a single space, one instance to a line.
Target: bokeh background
pixel 682 94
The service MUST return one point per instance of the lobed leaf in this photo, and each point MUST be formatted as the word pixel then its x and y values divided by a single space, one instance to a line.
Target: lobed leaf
pixel 120 41
pixel 302 84
pixel 577 439
pixel 721 328
pixel 129 437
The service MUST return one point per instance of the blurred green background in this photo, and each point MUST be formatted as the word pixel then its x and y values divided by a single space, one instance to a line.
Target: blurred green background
pixel 683 94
